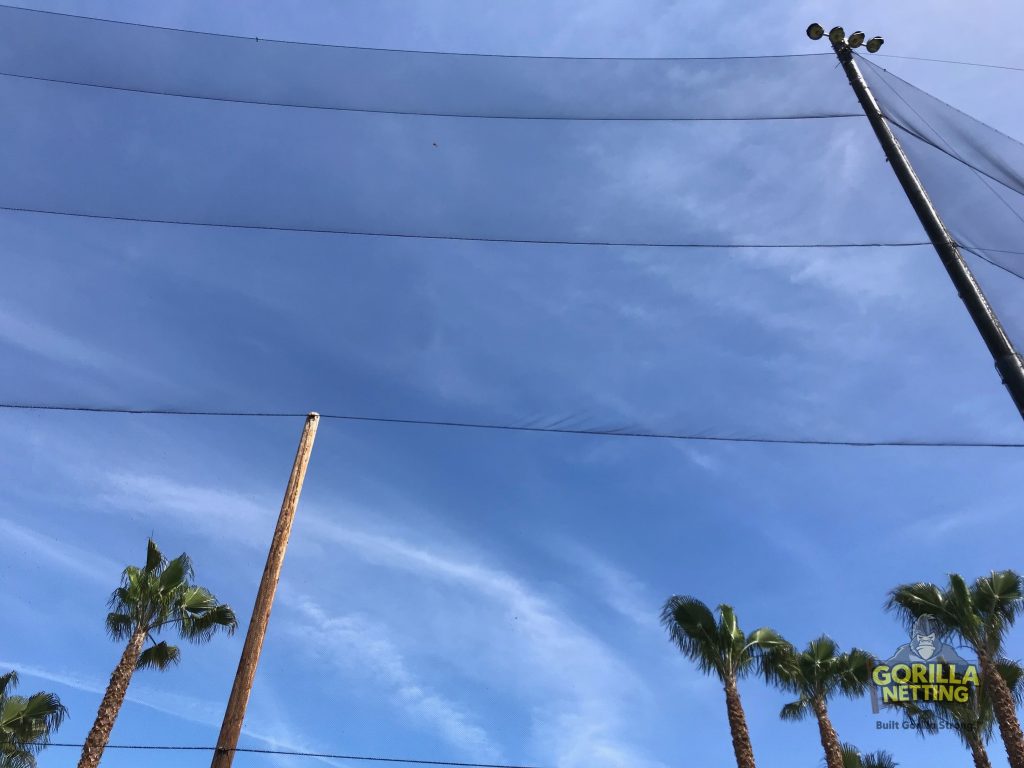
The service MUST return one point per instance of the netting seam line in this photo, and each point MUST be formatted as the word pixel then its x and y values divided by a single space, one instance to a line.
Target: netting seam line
pixel 456 238
pixel 417 113
pixel 520 428
pixel 981 177
pixel 946 104
pixel 405 50
pixel 291 753
pixel 951 155
pixel 948 61
pixel 977 252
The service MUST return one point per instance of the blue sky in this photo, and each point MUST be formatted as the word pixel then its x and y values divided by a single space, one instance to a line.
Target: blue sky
pixel 472 595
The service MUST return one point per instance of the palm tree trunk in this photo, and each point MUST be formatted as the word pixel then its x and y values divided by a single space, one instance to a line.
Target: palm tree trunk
pixel 1005 711
pixel 829 738
pixel 741 745
pixel 978 752
pixel 98 737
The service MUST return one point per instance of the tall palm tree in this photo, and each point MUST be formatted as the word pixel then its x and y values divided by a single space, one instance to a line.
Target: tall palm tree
pixel 723 650
pixel 26 723
pixel 973 722
pixel 854 758
pixel 980 615
pixel 158 596
pixel 815 675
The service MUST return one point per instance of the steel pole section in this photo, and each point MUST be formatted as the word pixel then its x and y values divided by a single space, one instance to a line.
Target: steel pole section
pixel 1008 361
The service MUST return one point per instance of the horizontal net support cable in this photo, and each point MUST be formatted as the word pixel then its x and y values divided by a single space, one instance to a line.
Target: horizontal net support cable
pixel 141 25
pixel 82 51
pixel 457 237
pixel 266 39
pixel 508 427
pixel 421 113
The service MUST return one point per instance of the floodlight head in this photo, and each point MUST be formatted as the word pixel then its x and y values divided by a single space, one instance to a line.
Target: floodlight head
pixel 874 44
pixel 856 39
pixel 815 31
pixel 837 35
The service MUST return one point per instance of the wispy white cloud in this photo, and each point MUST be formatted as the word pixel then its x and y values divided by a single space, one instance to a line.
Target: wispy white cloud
pixel 611 584
pixel 355 641
pixel 18 328
pixel 574 685
pixel 211 510
pixel 185 707
pixel 177 705
pixel 22 540
pixel 574 688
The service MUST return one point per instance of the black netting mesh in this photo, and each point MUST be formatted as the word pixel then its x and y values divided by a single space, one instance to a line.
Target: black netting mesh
pixel 51 46
pixel 975 176
pixel 762 341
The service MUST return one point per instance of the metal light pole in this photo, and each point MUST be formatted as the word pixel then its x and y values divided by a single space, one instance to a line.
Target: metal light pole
pixel 1008 361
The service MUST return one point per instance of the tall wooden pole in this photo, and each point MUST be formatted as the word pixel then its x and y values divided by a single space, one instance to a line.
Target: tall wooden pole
pixel 235 712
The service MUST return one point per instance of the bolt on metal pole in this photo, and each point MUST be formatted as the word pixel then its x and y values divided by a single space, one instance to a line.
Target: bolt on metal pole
pixel 1008 361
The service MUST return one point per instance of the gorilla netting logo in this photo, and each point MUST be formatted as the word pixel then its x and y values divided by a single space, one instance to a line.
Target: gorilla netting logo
pixel 927 669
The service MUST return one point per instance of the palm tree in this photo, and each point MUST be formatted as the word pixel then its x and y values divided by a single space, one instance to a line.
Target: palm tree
pixel 157 596
pixel 854 758
pixel 972 721
pixel 721 649
pixel 815 675
pixel 979 615
pixel 26 723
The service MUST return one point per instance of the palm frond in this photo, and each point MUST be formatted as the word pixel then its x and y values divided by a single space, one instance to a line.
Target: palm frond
pixel 120 625
pixel 8 681
pixel 159 656
pixel 201 627
pixel 154 558
pixel 177 572
pixel 910 601
pixel 878 759
pixel 45 712
pixel 1013 673
pixel 794 711
pixel 26 723
pixel 13 757
pixel 691 627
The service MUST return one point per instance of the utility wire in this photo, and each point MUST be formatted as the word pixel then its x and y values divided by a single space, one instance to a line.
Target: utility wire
pixel 459 238
pixel 420 113
pixel 291 753
pixel 494 426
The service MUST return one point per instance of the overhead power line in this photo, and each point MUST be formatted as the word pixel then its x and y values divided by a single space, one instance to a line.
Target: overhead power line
pixel 453 237
pixel 505 427
pixel 423 113
pixel 294 753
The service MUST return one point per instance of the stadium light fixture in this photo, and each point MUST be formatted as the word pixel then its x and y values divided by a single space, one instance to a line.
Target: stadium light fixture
pixel 837 36
pixel 1009 362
